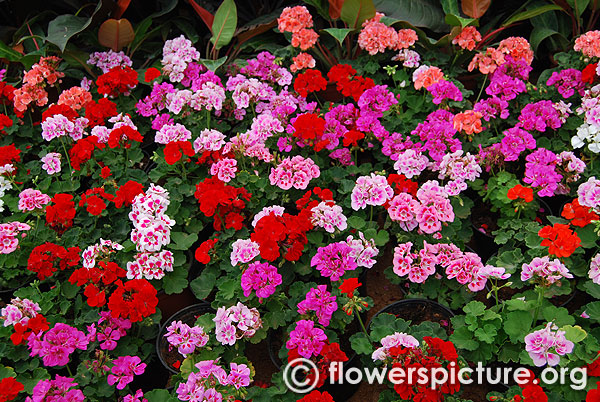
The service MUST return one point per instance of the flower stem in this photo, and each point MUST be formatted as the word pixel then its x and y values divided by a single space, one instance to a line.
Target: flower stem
pixel 362 325
pixel 540 300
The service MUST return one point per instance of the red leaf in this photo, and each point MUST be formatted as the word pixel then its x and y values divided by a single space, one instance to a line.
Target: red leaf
pixel 120 8
pixel 335 8
pixel 207 17
pixel 475 8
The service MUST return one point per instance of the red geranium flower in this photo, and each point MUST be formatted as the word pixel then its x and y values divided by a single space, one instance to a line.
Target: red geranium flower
pixel 9 389
pixel 135 299
pixel 349 286
pixel 175 150
pixel 578 214
pixel 317 396
pixel 309 81
pixel 518 191
pixel 9 154
pixel 97 113
pixel 589 73
pixel 60 214
pixel 202 251
pixel 44 258
pixel 123 134
pixel 55 109
pixel 83 150
pixel 560 239
pixel 119 80
pixel 127 192
pixel 151 74
pixel 5 122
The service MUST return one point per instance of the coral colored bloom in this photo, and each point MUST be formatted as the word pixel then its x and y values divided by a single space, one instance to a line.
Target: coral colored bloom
pixel 560 239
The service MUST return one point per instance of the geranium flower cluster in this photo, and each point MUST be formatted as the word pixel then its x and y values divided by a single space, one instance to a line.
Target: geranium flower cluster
pixel 212 383
pixel 593 273
pixel 261 278
pixel 152 231
pixel 9 235
pixel 59 389
pixel 177 54
pixel 459 169
pixel 31 200
pixel 185 338
pixel 106 61
pixel 363 250
pixel 307 339
pixel 589 131
pixel 541 171
pixel 428 211
pixel 329 216
pixel 437 133
pixel 589 194
pixel 34 83
pixel 393 341
pixel 48 258
pixel 222 201
pixel 434 354
pixel 294 172
pixel 108 330
pixel 560 239
pixel 370 190
pixel 545 346
pixel 119 80
pixel 333 260
pixel 236 322
pixel 466 268
pixel 322 302
pixel 545 271
pixel 57 344
pixel 283 234
pixel 375 37
pixel 124 369
pixel 19 311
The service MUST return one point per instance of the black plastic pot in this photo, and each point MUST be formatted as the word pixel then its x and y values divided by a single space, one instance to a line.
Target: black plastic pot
pixel 188 315
pixel 414 310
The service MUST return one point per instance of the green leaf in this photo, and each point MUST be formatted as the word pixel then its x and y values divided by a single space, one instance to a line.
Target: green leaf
pixel 361 344
pixel 538 35
pixel 456 21
pixel 422 13
pixel 356 222
pixel 224 24
pixel 525 15
pixel 593 310
pixel 593 289
pixel 587 235
pixel 463 339
pixel 575 333
pixel 204 284
pixel 63 27
pixel 7 53
pixel 183 241
pixel 474 308
pixel 227 288
pixel 213 65
pixel 486 334
pixel 559 315
pixel 338 33
pixel 174 282
pixel 159 395
pixel 355 12
pixel 517 325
